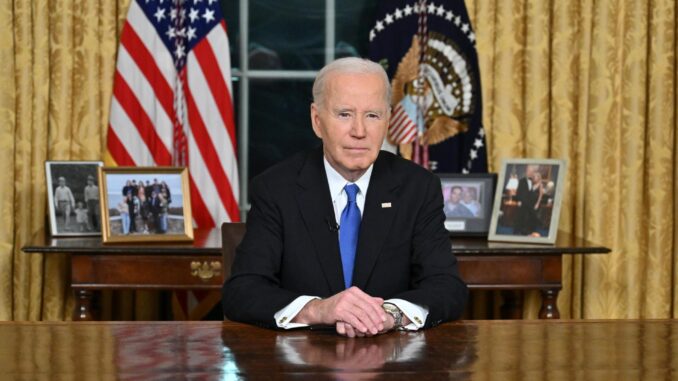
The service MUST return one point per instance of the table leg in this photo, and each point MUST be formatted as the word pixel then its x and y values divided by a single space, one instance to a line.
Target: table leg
pixel 549 305
pixel 83 305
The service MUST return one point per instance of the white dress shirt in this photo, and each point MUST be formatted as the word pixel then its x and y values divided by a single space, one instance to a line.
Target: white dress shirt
pixel 417 314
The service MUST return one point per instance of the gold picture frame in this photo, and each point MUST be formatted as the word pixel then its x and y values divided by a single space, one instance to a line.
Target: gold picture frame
pixel 129 214
pixel 527 201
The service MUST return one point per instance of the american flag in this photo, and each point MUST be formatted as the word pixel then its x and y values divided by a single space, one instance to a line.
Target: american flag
pixel 172 101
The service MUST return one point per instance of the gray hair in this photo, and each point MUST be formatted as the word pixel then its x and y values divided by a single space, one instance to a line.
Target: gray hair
pixel 349 65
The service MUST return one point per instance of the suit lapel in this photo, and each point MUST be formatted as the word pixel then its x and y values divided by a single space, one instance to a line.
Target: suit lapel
pixel 315 204
pixel 376 221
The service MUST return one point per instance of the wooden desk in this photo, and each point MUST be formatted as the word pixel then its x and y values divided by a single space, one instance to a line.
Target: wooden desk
pixel 483 265
pixel 477 350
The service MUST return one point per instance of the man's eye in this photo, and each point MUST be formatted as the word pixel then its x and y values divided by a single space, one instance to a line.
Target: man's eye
pixel 374 116
pixel 344 114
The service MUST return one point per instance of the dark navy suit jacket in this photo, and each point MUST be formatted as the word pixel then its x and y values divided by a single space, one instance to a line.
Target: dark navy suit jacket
pixel 291 246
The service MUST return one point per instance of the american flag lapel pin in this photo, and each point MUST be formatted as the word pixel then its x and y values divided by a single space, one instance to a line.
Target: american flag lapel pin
pixel 385 204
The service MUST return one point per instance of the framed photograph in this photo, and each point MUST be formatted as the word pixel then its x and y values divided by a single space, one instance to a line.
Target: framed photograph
pixel 145 204
pixel 527 202
pixel 73 198
pixel 468 202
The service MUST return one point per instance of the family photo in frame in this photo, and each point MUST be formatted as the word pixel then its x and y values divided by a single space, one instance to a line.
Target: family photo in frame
pixel 527 201
pixel 73 198
pixel 468 202
pixel 145 204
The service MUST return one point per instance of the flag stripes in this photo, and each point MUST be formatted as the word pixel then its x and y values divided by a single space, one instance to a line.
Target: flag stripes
pixel 160 45
pixel 402 129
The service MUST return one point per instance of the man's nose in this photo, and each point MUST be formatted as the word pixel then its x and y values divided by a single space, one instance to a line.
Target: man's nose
pixel 358 129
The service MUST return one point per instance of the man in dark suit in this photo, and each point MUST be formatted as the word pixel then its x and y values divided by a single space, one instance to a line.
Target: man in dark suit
pixel 346 235
pixel 529 195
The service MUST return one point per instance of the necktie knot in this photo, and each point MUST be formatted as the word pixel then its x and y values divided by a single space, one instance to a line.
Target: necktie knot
pixel 351 192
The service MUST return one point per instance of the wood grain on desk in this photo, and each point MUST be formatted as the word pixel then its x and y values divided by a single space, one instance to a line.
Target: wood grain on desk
pixel 480 350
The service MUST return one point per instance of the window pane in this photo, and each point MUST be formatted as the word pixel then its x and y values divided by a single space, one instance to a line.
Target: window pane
pixel 280 121
pixel 288 35
pixel 230 9
pixel 354 19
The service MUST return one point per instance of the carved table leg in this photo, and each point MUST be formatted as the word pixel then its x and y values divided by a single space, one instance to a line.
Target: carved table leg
pixel 549 305
pixel 83 304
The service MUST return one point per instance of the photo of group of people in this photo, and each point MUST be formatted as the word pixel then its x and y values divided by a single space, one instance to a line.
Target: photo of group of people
pixel 144 204
pixel 73 198
pixel 528 200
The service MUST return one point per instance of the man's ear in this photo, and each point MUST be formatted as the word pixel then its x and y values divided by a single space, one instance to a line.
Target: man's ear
pixel 315 121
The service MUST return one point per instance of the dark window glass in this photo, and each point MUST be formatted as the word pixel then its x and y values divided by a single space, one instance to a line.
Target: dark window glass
pixel 354 19
pixel 231 9
pixel 280 122
pixel 287 35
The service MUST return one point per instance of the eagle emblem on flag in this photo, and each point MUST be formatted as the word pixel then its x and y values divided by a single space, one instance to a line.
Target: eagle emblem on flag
pixel 428 50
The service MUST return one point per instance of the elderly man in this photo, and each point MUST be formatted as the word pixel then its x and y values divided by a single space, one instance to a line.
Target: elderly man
pixel 346 235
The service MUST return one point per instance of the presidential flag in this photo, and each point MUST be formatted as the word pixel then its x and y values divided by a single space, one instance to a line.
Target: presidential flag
pixel 428 50
pixel 172 103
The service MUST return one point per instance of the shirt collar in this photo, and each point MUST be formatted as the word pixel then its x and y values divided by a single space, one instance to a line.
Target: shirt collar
pixel 337 182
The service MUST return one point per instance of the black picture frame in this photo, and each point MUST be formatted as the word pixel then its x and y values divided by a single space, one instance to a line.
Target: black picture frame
pixel 471 215
pixel 72 210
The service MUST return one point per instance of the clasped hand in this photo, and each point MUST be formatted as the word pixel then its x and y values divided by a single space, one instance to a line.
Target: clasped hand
pixel 352 311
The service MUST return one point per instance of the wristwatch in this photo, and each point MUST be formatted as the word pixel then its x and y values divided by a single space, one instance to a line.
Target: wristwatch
pixel 394 311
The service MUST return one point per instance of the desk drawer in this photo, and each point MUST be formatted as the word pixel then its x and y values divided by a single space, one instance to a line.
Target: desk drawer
pixel 147 271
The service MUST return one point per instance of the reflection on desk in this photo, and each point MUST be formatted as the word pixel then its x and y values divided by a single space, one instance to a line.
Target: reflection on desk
pixel 482 350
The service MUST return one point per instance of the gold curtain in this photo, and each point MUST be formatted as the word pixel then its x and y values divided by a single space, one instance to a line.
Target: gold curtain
pixel 57 58
pixel 593 82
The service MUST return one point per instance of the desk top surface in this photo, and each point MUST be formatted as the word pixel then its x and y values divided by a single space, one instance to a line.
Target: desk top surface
pixel 479 350
pixel 208 242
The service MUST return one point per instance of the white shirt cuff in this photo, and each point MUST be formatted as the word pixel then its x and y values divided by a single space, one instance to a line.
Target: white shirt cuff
pixel 284 317
pixel 417 314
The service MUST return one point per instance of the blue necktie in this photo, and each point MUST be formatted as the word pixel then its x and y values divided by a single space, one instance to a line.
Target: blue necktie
pixel 349 226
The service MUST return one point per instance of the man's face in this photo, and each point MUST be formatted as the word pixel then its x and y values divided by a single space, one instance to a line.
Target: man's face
pixel 352 121
pixel 455 195
pixel 468 197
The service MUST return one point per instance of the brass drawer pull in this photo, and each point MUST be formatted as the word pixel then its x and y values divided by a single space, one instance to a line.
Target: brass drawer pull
pixel 205 270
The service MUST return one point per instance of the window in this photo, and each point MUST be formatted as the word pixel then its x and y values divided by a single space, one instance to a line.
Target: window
pixel 277 48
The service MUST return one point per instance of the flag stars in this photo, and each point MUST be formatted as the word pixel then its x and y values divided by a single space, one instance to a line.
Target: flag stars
pixel 191 33
pixel 173 13
pixel 472 37
pixel 180 51
pixel 464 28
pixel 478 143
pixel 159 14
pixel 388 18
pixel 398 14
pixel 171 32
pixel 379 26
pixel 209 15
pixel 408 10
pixel 440 10
pixel 194 15
pixel 431 8
pixel 209 2
pixel 372 34
pixel 449 15
pixel 473 154
pixel 457 21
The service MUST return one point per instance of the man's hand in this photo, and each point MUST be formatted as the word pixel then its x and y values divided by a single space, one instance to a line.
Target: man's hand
pixel 351 307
